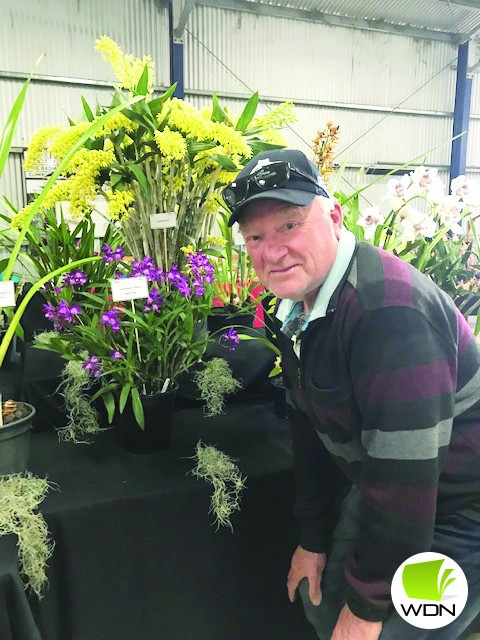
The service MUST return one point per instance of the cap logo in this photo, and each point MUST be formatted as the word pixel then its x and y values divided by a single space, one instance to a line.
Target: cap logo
pixel 261 163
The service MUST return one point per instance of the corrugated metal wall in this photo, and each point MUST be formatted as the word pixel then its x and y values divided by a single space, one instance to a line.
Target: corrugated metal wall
pixel 66 30
pixel 12 182
pixel 349 76
pixel 284 57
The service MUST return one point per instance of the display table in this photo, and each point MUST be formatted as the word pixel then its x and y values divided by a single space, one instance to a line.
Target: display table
pixel 137 556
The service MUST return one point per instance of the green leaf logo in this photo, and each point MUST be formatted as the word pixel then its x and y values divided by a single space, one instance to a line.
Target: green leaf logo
pixel 422 580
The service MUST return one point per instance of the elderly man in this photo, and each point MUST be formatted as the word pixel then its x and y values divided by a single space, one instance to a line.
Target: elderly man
pixel 383 380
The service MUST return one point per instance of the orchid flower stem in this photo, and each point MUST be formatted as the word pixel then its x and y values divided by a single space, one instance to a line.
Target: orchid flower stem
pixel 165 247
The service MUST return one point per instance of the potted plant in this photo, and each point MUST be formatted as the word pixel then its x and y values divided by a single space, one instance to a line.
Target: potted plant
pixel 136 349
pixel 237 289
pixel 162 158
pixel 433 231
pixel 16 420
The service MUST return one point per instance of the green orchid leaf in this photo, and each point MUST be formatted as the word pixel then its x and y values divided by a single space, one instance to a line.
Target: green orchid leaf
pixel 109 402
pixel 138 408
pixel 218 114
pixel 88 112
pixel 156 104
pixel 142 86
pixel 224 161
pixel 124 396
pixel 248 113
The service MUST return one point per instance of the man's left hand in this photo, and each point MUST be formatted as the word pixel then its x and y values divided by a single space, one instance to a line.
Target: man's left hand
pixel 349 627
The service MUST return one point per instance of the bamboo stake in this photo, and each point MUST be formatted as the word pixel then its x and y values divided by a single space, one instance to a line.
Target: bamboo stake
pixel 138 344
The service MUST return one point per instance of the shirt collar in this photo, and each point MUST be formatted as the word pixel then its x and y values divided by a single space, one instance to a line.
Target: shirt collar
pixel 346 249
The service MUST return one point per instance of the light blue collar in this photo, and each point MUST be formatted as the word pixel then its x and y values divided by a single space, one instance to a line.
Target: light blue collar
pixel 287 308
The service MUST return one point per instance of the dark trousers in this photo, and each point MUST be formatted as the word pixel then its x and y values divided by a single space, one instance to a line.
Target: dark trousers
pixel 456 537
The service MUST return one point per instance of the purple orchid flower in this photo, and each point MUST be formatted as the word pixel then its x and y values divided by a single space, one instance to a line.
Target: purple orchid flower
pixel 93 366
pixel 154 301
pixel 109 318
pixel 110 255
pixel 75 279
pixel 231 339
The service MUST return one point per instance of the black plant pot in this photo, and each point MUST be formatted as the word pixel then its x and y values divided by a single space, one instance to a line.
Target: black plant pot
pixel 279 397
pixel 158 411
pixel 15 443
pixel 218 320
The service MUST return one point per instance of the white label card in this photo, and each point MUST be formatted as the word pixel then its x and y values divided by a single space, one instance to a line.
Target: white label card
pixel 163 220
pixel 7 294
pixel 129 288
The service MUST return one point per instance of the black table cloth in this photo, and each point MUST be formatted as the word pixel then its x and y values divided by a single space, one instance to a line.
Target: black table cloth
pixel 137 556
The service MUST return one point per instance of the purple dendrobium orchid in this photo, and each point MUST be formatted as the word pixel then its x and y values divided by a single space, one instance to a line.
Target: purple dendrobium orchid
pixel 110 255
pixel 154 301
pixel 202 271
pixel 93 366
pixel 109 318
pixel 231 336
pixel 145 267
pixel 75 279
pixel 49 311
pixel 179 281
pixel 62 315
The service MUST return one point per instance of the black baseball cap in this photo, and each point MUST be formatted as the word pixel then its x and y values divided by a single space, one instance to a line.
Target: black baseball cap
pixel 280 174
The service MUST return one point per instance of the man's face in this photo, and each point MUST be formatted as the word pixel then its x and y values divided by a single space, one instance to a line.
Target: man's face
pixel 292 248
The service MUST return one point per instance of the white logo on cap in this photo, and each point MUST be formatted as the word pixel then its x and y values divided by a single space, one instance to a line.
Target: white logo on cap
pixel 261 163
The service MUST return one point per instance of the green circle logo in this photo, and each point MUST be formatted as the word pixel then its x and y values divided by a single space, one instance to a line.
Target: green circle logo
pixel 429 590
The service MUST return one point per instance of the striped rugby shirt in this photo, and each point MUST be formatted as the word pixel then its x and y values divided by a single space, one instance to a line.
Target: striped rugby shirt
pixel 385 396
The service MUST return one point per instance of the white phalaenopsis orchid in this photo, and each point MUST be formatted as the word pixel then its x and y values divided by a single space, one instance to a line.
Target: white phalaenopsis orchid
pixel 400 190
pixel 449 213
pixel 412 215
pixel 369 220
pixel 414 223
pixel 398 187
pixel 427 227
pixel 467 190
pixel 427 179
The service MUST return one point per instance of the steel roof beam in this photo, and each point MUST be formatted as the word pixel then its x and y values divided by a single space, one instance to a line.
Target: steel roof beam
pixel 332 20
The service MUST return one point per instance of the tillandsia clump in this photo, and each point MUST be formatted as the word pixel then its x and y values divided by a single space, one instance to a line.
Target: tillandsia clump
pixel 161 157
pixel 222 473
pixel 82 416
pixel 323 145
pixel 215 381
pixel 20 497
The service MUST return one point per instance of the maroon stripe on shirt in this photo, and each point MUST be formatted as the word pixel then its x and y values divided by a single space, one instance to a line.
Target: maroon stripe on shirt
pixel 375 591
pixel 350 307
pixel 408 384
pixel 398 271
pixel 410 503
pixel 341 414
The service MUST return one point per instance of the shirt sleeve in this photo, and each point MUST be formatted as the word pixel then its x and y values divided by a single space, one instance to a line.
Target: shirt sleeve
pixel 404 379
pixel 320 485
